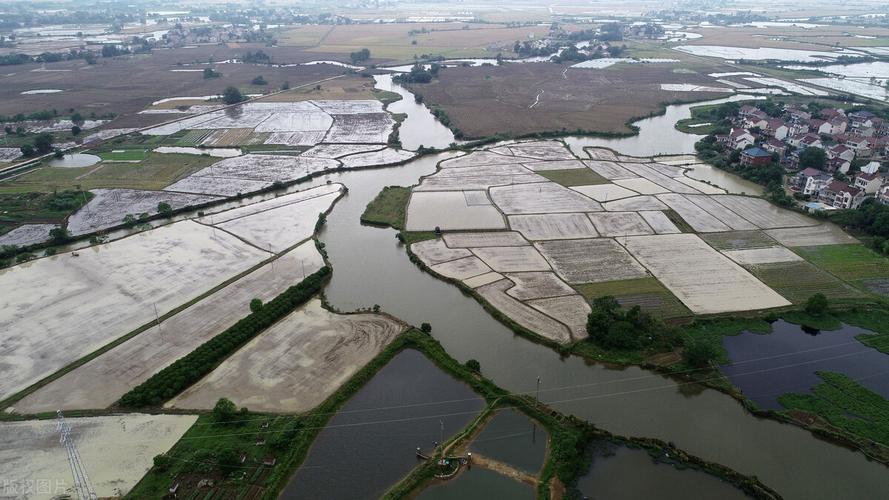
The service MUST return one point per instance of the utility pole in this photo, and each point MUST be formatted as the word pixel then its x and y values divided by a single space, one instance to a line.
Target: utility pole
pixel 157 321
pixel 537 395
pixel 82 487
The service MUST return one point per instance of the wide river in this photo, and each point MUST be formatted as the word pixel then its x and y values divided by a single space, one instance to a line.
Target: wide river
pixel 372 267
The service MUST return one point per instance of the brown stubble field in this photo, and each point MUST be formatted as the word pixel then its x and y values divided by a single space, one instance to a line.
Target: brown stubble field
pixel 395 41
pixel 127 85
pixel 487 100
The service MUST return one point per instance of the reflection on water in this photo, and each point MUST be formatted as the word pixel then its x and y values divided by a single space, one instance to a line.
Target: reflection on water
pixel 512 438
pixel 370 444
pixel 630 474
pixel 767 366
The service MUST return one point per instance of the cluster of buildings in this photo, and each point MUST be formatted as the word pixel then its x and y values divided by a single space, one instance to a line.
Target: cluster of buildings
pixel 844 137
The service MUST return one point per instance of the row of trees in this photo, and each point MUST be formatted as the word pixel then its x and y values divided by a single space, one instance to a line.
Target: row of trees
pixel 418 74
pixel 612 327
pixel 870 218
pixel 186 371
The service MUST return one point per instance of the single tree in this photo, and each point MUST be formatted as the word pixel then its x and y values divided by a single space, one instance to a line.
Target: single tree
pixel 59 235
pixel 232 95
pixel 75 130
pixel 360 56
pixel 474 365
pixel 224 411
pixel 817 304
pixel 162 462
pixel 259 80
pixel 813 158
pixel 164 209
pixel 255 305
pixel 77 119
pixel 43 143
pixel 425 327
pixel 27 150
pixel 699 354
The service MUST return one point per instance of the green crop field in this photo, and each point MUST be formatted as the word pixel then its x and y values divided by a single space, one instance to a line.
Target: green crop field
pixel 192 138
pixel 574 177
pixel 738 240
pixel 848 262
pixel 388 208
pixel 156 171
pixel 797 281
pixel 123 155
pixel 647 293
pixel 218 446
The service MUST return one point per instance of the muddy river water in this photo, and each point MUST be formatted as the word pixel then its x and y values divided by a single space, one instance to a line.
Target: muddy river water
pixel 371 267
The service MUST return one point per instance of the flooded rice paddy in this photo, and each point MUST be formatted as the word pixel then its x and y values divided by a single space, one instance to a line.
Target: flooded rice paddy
pixel 785 361
pixel 758 54
pixel 372 441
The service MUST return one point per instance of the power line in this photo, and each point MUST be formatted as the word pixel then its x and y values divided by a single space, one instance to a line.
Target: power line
pixel 568 400
pixel 82 486
pixel 603 382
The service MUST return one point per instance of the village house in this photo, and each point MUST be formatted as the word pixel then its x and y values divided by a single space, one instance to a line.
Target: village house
pixel 775 146
pixel 831 113
pixel 838 194
pixel 883 196
pixel 841 151
pixel 757 119
pixel 838 165
pixel 861 145
pixel 740 138
pixel 810 141
pixel 777 128
pixel 747 110
pixel 811 180
pixel 755 157
pixel 817 126
pixel 861 119
pixel 870 183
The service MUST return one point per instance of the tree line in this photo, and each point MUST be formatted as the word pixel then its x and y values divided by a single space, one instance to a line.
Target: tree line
pixel 187 370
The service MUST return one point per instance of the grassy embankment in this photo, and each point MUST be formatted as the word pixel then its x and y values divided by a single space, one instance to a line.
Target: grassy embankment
pixel 389 209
